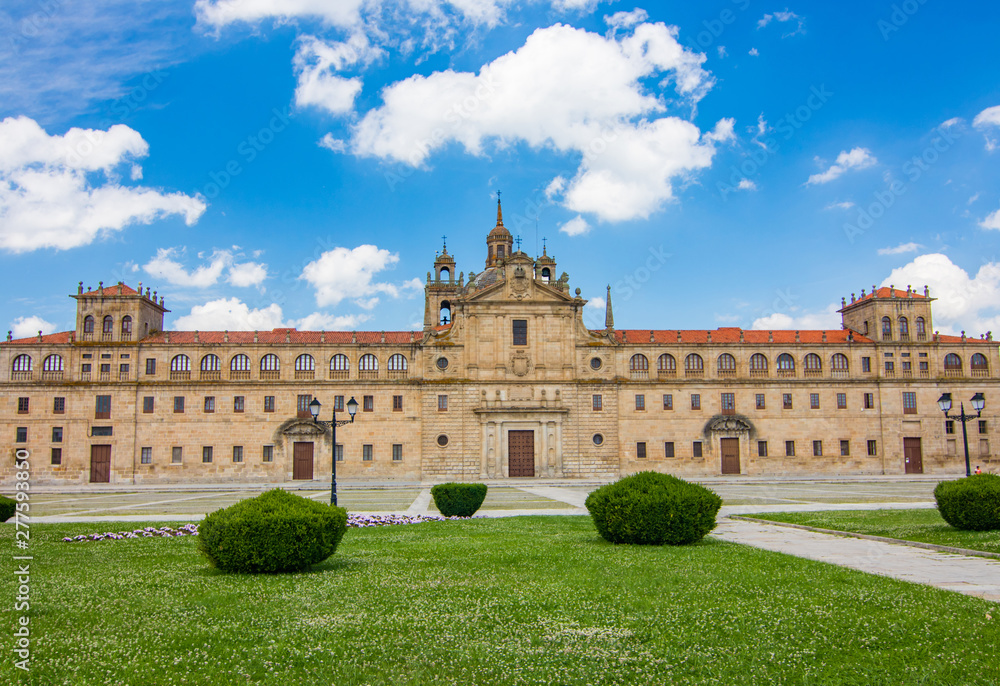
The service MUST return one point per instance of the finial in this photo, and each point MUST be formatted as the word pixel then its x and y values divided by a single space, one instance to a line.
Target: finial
pixel 609 317
pixel 499 211
pixel 518 239
pixel 444 245
pixel 544 253
pixel 79 289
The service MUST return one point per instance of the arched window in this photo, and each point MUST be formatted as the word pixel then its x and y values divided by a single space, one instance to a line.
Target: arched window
pixel 727 363
pixel 666 363
pixel 886 327
pixel 546 274
pixel 340 363
pixel 305 363
pixel 758 363
pixel 694 363
pixel 126 327
pixel 786 363
pixel 368 363
pixel 397 363
pixel 921 328
pixel 500 252
pixel 444 274
pixel 239 363
pixel 638 363
pixel 978 363
pixel 53 363
pixel 88 324
pixel 211 363
pixel 270 363
pixel 812 363
pixel 904 327
pixel 22 363
pixel 839 363
pixel 180 363
pixel 952 362
pixel 108 325
pixel 444 314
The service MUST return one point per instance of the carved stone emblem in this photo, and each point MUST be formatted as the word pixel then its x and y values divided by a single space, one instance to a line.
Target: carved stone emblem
pixel 520 363
pixel 730 424
pixel 519 284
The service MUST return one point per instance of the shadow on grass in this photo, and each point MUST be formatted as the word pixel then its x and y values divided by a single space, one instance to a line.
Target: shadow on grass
pixel 331 564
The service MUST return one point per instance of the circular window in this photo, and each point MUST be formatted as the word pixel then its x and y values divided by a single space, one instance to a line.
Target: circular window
pixel 442 363
pixel 598 439
pixel 595 363
pixel 442 440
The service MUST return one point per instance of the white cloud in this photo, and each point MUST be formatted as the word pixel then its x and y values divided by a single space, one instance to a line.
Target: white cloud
pixel 230 314
pixel 344 273
pixel 247 274
pixel 799 321
pixel 948 123
pixel 24 327
pixel 987 120
pixel 972 199
pixel 857 158
pixel 992 221
pixel 845 205
pixel 626 20
pixel 321 321
pixel 316 65
pixel 783 17
pixel 746 185
pixel 754 52
pixel 900 249
pixel 217 13
pixel 165 265
pixel 576 226
pixel 556 187
pixel 721 50
pixel 335 144
pixel 62 192
pixel 571 91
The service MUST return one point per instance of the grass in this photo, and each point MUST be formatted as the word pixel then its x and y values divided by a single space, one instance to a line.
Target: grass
pixel 924 526
pixel 527 600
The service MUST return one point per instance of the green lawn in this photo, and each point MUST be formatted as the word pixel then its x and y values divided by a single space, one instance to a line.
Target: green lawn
pixel 527 600
pixel 924 526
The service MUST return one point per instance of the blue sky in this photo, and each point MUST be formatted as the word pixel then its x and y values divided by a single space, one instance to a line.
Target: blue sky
pixel 265 163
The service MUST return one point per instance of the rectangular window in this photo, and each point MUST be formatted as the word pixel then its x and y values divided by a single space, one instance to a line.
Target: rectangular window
pixel 58 405
pixel 57 434
pixel 790 448
pixel 872 448
pixel 239 403
pixel 924 366
pixel 889 367
pixel 56 456
pixel 598 403
pixel 728 403
pixel 339 452
pixel 442 403
pixel 668 401
pixel 982 426
pixel 841 401
pixel 760 401
pixel 105 369
pixel 101 430
pixel 668 449
pixel 147 404
pixel 520 331
pixel 85 368
pixel 206 453
pixel 909 403
pixel 696 449
pixel 150 366
pixel 123 369
pixel 814 401
pixel 640 402
pixel 368 404
pixel 302 406
pixel 366 452
pixel 397 452
pixel 21 435
pixel 869 401
pixel 268 403
pixel 761 448
pixel 209 403
pixel 905 366
pixel 178 404
pixel 176 455
pixel 695 401
pixel 22 405
pixel 640 450
pixel 267 453
pixel 397 403
pixel 237 453
pixel 786 401
pixel 103 407
pixel 818 448
pixel 866 364
pixel 338 403
pixel 845 447
pixel 949 427
pixel 146 456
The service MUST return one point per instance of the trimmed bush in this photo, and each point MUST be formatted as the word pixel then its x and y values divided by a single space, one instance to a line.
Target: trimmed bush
pixel 458 500
pixel 275 532
pixel 972 503
pixel 649 508
pixel 7 507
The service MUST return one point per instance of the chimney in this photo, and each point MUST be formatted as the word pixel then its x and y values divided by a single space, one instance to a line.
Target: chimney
pixel 196 336
pixel 383 336
pixel 39 336
pixel 741 336
pixel 354 337
pixel 824 336
pixel 709 336
pixel 255 339
pixel 651 339
pixel 678 335
pixel 225 336
pixel 770 337
pixel 322 336
pixel 288 337
pixel 797 339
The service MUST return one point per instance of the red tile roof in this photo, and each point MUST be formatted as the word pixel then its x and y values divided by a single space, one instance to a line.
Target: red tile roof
pixel 60 338
pixel 732 335
pixel 886 292
pixel 293 336
pixel 108 291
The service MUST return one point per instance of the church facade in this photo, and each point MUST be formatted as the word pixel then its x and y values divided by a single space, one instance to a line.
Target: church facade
pixel 503 381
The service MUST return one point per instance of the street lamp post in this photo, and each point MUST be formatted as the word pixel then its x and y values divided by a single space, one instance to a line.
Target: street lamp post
pixel 978 403
pixel 352 409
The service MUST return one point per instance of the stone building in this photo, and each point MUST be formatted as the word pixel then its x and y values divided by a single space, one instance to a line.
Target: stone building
pixel 504 380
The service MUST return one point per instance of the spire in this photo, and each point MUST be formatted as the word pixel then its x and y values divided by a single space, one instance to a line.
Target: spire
pixel 609 317
pixel 499 211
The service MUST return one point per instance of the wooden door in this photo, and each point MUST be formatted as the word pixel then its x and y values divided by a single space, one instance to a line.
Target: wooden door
pixel 730 448
pixel 913 457
pixel 302 460
pixel 100 464
pixel 521 453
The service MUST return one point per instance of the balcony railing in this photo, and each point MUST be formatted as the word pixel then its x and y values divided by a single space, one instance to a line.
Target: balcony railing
pixel 239 375
pixel 398 373
pixel 638 373
pixel 85 376
pixel 758 373
pixel 339 373
pixel 21 376
pixel 980 373
pixel 126 335
pixel 52 376
pixel 88 336
pixel 105 376
pixel 124 376
pixel 839 373
pixel 210 375
pixel 953 373
pixel 727 374
pixel 368 374
pixel 180 376
pixel 305 374
pixel 666 373
pixel 107 336
pixel 270 375
pixel 694 372
pixel 812 373
pixel 786 373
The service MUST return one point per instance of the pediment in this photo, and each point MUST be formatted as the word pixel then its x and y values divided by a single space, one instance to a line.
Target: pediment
pixel 517 284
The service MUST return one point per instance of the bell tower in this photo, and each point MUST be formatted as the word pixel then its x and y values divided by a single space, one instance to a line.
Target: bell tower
pixel 499 242
pixel 441 292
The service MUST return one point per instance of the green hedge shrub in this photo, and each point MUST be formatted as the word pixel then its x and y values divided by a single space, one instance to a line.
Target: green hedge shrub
pixel 275 532
pixel 7 507
pixel 458 500
pixel 649 508
pixel 972 503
